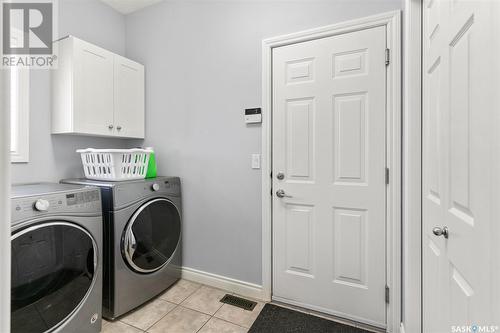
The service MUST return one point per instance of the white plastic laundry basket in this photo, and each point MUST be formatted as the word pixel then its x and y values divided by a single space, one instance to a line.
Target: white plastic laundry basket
pixel 115 164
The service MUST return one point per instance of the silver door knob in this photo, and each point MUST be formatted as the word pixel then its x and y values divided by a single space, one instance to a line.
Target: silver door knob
pixel 281 194
pixel 441 231
pixel 110 126
pixel 280 176
pixel 118 127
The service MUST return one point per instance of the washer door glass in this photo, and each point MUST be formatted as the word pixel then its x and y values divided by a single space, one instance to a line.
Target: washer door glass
pixel 151 236
pixel 53 269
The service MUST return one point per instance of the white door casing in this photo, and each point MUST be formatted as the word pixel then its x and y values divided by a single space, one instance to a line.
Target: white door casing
pixel 5 184
pixel 329 141
pixel 460 163
pixel 411 318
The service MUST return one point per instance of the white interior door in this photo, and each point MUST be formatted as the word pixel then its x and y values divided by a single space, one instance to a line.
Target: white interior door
pixel 460 163
pixel 329 158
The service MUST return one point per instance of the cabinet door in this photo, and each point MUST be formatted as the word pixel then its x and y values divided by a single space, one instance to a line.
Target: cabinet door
pixel 129 98
pixel 93 89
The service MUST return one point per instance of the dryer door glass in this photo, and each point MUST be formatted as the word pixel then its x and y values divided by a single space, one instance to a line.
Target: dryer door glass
pixel 53 269
pixel 151 236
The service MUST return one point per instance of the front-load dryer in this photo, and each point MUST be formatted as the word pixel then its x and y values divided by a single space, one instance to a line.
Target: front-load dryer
pixel 56 262
pixel 142 240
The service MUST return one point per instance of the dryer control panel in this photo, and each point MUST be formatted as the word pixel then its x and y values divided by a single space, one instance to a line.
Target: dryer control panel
pixel 129 192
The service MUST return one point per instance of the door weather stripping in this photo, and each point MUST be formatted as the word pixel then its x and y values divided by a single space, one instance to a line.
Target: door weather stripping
pixel 387 294
pixel 387 176
pixel 387 57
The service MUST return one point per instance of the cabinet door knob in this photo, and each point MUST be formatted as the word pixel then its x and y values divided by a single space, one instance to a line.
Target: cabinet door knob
pixel 118 127
pixel 110 126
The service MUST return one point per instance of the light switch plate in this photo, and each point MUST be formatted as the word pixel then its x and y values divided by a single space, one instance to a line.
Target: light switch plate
pixel 255 161
pixel 253 119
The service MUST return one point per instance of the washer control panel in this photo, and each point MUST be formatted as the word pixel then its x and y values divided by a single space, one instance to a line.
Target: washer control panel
pixel 72 202
pixel 82 198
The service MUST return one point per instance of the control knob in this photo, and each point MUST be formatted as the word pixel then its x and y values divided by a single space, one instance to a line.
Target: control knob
pixel 42 205
pixel 155 187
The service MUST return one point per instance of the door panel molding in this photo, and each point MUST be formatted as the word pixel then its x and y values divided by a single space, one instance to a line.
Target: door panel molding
pixel 352 65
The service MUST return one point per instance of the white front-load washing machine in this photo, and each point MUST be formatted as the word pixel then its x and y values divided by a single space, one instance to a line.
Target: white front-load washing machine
pixel 56 261
pixel 142 240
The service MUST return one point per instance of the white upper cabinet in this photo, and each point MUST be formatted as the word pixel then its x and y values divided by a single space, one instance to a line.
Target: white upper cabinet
pixel 129 97
pixel 97 92
pixel 92 89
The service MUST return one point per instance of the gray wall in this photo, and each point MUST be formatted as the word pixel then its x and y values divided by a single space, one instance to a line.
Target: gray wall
pixel 203 67
pixel 53 157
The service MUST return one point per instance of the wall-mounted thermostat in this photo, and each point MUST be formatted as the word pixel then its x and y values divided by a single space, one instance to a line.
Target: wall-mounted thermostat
pixel 253 116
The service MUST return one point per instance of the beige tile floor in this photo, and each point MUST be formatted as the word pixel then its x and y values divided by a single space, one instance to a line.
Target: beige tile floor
pixel 186 307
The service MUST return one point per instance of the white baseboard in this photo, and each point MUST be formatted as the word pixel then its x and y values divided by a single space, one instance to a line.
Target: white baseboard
pixel 242 288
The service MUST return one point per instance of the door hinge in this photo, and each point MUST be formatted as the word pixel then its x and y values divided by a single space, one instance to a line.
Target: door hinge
pixel 387 175
pixel 387 294
pixel 387 57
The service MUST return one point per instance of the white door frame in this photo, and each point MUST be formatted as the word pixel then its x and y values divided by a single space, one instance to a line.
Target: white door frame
pixel 4 201
pixel 412 171
pixel 392 22
pixel 4 198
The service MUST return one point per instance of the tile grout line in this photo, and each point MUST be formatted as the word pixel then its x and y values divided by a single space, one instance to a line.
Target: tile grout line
pixel 185 298
pixel 139 308
pixel 175 307
pixel 204 324
pixel 191 294
pixel 137 328
pixel 207 314
pixel 231 323
pixel 140 329
pixel 180 305
pixel 203 313
pixel 213 316
pixel 156 322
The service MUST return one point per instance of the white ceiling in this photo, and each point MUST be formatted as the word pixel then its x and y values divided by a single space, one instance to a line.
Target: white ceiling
pixel 129 6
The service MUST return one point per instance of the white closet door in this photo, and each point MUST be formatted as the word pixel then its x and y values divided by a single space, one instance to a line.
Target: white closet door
pixel 460 164
pixel 329 141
